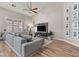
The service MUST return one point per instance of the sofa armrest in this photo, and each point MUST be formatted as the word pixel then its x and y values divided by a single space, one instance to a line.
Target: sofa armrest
pixel 30 47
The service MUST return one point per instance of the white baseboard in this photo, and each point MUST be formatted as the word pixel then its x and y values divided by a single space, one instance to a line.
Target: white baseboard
pixel 68 42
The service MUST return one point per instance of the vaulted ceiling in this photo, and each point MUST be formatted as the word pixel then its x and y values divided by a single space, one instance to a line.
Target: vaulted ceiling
pixel 24 5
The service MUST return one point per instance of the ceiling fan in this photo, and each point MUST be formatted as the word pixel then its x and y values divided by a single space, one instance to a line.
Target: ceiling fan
pixel 31 9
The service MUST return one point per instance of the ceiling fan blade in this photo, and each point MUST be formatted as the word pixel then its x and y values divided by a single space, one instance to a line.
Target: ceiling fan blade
pixel 35 9
pixel 30 8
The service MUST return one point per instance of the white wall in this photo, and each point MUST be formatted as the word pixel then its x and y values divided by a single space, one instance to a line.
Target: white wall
pixel 2 24
pixel 71 39
pixel 53 14
pixel 4 14
pixel 28 20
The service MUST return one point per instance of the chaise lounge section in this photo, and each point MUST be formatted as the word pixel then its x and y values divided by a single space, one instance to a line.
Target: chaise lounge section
pixel 21 46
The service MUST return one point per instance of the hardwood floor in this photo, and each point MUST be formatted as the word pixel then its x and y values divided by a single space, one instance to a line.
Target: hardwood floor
pixel 58 49
pixel 5 51
pixel 55 49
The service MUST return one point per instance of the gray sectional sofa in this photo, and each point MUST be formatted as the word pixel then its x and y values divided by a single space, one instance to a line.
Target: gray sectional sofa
pixel 21 46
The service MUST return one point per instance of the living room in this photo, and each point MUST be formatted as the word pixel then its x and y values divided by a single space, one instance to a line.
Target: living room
pixel 39 29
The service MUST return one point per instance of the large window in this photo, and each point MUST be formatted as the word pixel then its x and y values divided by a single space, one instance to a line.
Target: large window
pixel 15 26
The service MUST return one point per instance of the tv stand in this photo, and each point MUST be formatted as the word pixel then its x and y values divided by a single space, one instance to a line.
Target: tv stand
pixel 41 34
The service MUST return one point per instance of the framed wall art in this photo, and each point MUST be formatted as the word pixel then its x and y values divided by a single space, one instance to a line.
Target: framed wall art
pixel 74 25
pixel 75 6
pixel 75 15
pixel 74 34
pixel 67 33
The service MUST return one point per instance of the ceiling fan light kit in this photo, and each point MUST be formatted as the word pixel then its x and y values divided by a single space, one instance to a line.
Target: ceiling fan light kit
pixel 30 9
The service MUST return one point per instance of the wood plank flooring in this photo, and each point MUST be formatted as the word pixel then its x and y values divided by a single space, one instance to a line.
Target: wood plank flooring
pixel 5 51
pixel 55 49
pixel 58 49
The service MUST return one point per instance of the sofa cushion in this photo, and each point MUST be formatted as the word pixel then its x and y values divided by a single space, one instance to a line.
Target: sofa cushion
pixel 30 47
pixel 27 37
pixel 18 41
pixel 9 38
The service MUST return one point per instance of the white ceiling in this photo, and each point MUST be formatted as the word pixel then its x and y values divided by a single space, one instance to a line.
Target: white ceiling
pixel 22 5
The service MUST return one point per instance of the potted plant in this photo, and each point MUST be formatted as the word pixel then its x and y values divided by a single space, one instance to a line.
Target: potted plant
pixel 1 34
pixel 50 35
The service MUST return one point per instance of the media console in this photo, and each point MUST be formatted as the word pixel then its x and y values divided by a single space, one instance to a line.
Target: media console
pixel 42 29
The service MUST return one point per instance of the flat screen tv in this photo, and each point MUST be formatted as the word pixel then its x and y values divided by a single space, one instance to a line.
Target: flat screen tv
pixel 41 28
